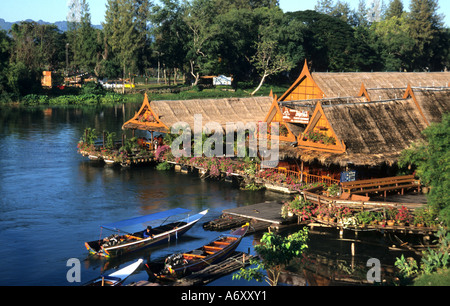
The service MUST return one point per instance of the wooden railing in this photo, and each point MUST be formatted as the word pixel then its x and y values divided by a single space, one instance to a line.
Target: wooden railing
pixel 318 199
pixel 381 185
pixel 308 178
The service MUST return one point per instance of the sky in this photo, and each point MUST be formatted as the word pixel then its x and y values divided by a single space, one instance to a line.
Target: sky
pixel 56 10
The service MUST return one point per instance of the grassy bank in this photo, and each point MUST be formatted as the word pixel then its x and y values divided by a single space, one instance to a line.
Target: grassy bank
pixel 95 95
pixel 439 278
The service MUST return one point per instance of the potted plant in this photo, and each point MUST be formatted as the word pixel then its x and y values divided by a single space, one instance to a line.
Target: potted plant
pixel 390 214
pixel 403 216
pixel 333 190
pixel 286 211
pixel 380 219
pixel 364 218
pixel 419 218
pixel 431 219
pixel 321 212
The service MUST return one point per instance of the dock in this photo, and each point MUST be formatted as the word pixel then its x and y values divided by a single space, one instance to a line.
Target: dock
pixel 269 212
pixel 260 216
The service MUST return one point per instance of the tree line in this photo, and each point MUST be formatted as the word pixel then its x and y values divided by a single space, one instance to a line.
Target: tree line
pixel 254 41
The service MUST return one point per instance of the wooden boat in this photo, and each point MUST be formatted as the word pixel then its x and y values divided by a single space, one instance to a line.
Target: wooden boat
pixel 179 265
pixel 129 241
pixel 116 278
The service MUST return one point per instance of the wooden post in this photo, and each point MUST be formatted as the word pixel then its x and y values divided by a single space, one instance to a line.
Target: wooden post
pixel 104 139
pixel 301 173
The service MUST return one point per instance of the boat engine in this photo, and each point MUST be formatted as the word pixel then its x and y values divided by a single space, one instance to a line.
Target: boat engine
pixel 175 259
pixel 111 240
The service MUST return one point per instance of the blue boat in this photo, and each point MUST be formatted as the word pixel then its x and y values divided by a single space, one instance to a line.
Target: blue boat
pixel 128 239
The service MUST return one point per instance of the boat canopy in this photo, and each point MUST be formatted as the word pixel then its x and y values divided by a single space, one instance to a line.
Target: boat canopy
pixel 143 220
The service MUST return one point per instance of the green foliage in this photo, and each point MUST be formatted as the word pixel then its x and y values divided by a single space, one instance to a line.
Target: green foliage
pixel 432 160
pixel 432 260
pixel 408 267
pixel 252 187
pixel 109 141
pixel 164 166
pixel 392 40
pixel 275 252
pixel 364 217
pixel 89 136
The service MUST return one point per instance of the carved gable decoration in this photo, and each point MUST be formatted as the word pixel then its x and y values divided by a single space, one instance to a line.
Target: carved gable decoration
pixel 304 88
pixel 146 119
pixel 275 115
pixel 319 134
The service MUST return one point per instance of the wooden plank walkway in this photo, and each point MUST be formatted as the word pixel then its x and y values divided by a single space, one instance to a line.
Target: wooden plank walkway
pixel 267 212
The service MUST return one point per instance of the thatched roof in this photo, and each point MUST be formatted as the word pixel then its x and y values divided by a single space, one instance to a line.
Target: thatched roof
pixel 434 102
pixel 221 111
pixel 373 132
pixel 349 83
pixel 310 105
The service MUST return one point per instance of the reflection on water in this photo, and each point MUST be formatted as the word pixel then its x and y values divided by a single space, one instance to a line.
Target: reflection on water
pixel 53 200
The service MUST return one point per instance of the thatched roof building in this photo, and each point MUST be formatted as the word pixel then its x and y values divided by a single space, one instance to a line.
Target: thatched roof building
pixel 160 116
pixel 371 133
pixel 358 119
pixel 363 119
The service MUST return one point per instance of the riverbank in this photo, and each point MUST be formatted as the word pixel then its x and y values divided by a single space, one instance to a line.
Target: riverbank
pixel 96 95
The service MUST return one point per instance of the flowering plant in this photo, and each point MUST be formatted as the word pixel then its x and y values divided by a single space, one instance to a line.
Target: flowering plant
pixel 343 212
pixel 300 207
pixel 403 215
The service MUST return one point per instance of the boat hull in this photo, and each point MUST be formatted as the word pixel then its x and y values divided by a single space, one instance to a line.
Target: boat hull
pixel 146 243
pixel 200 258
pixel 116 278
pixel 136 243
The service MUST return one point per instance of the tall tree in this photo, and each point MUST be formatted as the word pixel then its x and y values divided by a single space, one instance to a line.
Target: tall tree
pixel 168 21
pixel 84 44
pixel 425 25
pixel 393 42
pixel 375 11
pixel 199 18
pixel 395 9
pixel 269 59
pixel 5 45
pixel 124 30
pixel 324 6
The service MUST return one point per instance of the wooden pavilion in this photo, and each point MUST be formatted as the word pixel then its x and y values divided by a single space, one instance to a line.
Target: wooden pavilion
pixel 356 120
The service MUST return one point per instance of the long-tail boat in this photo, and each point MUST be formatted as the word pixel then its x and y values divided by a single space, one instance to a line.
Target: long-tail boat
pixel 179 265
pixel 126 241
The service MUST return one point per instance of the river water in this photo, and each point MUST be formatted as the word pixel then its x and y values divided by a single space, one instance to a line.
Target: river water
pixel 52 200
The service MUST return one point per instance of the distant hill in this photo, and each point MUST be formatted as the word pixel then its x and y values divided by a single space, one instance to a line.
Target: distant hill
pixel 62 25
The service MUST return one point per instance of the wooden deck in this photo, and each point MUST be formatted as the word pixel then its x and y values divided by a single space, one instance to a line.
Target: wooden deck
pixel 267 212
